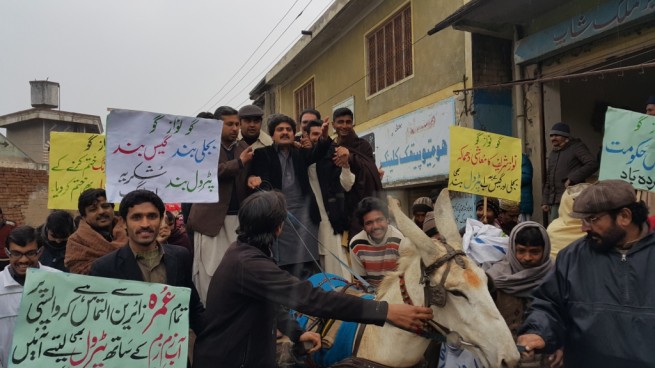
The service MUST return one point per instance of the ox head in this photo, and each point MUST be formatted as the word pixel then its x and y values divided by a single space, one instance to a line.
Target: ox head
pixel 469 309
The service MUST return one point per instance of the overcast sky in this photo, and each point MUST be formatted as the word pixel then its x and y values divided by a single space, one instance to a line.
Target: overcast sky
pixel 168 56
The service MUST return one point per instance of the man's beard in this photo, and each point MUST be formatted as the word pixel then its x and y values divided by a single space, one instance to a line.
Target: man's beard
pixel 604 243
pixel 508 226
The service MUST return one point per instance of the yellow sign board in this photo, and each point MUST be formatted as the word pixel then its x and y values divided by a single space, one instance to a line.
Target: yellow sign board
pixel 485 164
pixel 77 163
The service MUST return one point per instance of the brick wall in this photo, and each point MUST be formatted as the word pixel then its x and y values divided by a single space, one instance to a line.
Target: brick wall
pixel 24 195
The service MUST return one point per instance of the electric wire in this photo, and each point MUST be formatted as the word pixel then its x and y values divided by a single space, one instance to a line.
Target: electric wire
pixel 249 57
pixel 258 60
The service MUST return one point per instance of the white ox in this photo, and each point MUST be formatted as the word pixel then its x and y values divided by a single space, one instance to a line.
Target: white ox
pixel 468 311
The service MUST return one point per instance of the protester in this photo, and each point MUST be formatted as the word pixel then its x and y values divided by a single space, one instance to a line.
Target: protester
pixel 329 183
pixel 305 117
pixel 143 258
pixel 214 224
pixel 164 232
pixel 512 281
pixel 523 270
pixel 248 288
pixel 526 205
pixel 178 234
pixel 569 163
pixel 647 196
pixel 598 304
pixel 375 250
pixel 283 167
pixel 430 226
pixel 98 233
pixel 565 229
pixel 250 119
pixel 368 179
pixel 420 207
pixel 56 230
pixel 6 227
pixel 493 209
pixel 650 106
pixel 508 215
pixel 24 247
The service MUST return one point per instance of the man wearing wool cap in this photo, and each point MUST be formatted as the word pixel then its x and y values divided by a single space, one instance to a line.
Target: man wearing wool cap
pixel 420 208
pixel 569 163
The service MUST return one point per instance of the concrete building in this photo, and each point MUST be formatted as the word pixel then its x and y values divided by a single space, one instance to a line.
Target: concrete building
pixel 29 130
pixel 24 152
pixel 376 58
pixel 570 61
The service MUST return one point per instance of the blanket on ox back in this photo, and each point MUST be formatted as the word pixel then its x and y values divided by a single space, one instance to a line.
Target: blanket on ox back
pixel 337 336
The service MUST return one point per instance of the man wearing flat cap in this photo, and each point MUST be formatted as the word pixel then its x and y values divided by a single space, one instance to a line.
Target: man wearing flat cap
pixel 250 119
pixel 569 163
pixel 598 303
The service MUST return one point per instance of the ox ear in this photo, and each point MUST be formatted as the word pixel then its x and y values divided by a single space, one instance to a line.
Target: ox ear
pixel 444 218
pixel 409 229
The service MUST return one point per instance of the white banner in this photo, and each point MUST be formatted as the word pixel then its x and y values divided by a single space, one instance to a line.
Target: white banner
pixel 414 145
pixel 173 156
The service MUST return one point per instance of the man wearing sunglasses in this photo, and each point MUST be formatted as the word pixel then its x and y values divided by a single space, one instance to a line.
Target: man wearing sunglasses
pixel 598 304
pixel 24 247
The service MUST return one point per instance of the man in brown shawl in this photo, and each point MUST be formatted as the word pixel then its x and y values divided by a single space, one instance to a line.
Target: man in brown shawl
pixel 359 153
pixel 99 233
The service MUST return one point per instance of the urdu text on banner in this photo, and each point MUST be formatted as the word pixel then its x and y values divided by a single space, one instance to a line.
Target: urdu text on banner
pixel 173 156
pixel 68 320
pixel 628 151
pixel 77 163
pixel 485 164
pixel 413 146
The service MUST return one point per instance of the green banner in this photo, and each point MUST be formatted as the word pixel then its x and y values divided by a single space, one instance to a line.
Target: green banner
pixel 628 149
pixel 68 320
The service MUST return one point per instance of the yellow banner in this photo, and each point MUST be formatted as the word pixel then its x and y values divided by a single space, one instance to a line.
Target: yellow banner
pixel 485 163
pixel 77 163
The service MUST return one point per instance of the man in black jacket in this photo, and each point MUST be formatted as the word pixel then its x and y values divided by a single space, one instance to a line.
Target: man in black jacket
pixel 248 289
pixel 598 303
pixel 569 163
pixel 282 166
pixel 143 258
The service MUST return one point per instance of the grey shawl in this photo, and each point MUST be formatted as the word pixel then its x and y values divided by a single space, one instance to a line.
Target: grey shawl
pixel 510 276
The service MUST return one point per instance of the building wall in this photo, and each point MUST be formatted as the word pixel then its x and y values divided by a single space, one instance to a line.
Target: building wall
pixel 28 136
pixel 339 73
pixel 24 195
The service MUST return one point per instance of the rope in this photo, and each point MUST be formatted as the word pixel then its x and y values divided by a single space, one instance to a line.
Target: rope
pixel 369 288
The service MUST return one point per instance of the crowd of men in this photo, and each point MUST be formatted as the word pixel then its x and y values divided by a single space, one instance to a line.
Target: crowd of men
pixel 295 202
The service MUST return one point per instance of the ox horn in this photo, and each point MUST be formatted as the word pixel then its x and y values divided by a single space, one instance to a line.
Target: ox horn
pixel 444 218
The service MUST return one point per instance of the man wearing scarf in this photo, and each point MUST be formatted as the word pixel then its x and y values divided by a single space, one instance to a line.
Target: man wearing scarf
pixel 368 179
pixel 515 277
pixel 98 233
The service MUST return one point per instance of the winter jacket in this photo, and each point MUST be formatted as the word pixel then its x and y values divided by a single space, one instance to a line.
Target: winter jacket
pixel 574 162
pixel 526 206
pixel 598 305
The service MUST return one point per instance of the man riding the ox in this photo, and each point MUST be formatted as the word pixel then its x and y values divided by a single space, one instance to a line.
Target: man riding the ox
pixel 248 289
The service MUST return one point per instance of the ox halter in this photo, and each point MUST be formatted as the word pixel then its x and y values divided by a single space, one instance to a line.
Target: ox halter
pixel 436 295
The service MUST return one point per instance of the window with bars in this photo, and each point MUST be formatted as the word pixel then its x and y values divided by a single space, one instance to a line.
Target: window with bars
pixel 389 50
pixel 304 97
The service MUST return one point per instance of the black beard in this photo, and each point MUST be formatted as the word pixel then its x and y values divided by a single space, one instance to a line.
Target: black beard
pixel 508 226
pixel 605 243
